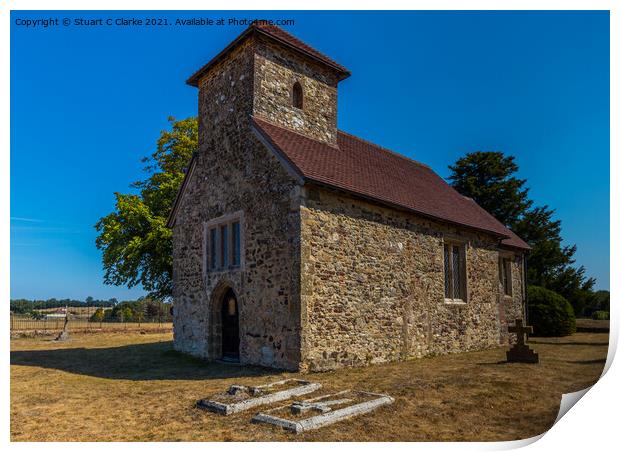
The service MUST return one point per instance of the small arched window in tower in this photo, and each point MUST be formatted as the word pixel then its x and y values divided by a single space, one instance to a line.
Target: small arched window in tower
pixel 298 96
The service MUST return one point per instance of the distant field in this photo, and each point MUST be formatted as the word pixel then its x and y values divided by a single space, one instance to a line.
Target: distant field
pixel 134 387
pixel 592 326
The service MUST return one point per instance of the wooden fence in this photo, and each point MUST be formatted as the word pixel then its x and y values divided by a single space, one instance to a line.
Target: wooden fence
pixel 51 324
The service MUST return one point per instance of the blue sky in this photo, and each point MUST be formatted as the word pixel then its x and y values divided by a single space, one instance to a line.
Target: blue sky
pixel 88 103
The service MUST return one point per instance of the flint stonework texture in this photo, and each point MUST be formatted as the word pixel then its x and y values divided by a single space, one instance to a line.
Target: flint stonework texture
pixel 327 279
pixel 372 286
pixel 277 70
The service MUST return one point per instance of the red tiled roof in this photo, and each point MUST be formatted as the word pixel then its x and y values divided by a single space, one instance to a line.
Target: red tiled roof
pixel 513 239
pixel 287 38
pixel 366 169
pixel 279 35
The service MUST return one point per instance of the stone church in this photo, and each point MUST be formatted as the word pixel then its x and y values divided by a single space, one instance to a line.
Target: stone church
pixel 302 247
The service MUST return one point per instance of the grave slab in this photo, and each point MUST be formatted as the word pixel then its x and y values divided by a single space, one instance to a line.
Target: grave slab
pixel 310 414
pixel 241 398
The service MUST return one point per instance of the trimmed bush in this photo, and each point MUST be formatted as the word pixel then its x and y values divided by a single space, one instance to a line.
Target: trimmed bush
pixel 600 315
pixel 550 313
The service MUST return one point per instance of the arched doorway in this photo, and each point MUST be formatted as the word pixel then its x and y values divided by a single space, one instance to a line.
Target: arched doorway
pixel 230 327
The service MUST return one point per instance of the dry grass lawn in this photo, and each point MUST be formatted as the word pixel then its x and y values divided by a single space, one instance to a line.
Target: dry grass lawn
pixel 134 387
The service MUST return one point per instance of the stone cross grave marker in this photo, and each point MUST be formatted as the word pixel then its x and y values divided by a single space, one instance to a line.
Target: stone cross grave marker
pixel 520 352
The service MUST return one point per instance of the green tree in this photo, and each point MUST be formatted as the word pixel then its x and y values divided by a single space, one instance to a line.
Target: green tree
pixel 98 315
pixel 136 244
pixel 127 314
pixel 36 315
pixel 154 309
pixel 21 306
pixel 489 178
pixel 601 299
pixel 138 316
pixel 550 264
pixel 598 302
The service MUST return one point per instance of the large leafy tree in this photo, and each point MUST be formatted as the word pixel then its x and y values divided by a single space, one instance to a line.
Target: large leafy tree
pixel 490 179
pixel 134 239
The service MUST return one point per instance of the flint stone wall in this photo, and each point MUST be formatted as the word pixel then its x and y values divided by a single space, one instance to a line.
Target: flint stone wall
pixel 372 286
pixel 512 307
pixel 276 71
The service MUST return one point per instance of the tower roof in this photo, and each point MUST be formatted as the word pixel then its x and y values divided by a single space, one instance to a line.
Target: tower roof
pixel 280 36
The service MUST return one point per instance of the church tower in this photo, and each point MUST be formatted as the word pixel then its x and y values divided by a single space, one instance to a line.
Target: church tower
pixel 237 219
pixel 269 74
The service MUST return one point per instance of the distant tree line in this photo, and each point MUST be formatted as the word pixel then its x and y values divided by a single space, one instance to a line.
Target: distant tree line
pixel 597 306
pixel 24 306
pixel 141 310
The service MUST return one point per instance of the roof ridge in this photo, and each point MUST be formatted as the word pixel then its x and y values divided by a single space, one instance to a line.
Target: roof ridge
pixel 290 39
pixel 278 35
pixel 389 151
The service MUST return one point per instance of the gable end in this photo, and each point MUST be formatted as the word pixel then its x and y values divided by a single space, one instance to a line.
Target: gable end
pixel 177 200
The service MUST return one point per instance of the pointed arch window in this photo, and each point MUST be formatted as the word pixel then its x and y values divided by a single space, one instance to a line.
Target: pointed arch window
pixel 298 96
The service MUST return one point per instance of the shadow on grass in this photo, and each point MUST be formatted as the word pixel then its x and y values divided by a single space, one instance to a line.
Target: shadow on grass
pixel 598 344
pixel 590 361
pixel 494 363
pixel 152 361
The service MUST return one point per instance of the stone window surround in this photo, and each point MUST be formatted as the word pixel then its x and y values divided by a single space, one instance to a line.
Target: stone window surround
pixel 216 223
pixel 463 244
pixel 510 258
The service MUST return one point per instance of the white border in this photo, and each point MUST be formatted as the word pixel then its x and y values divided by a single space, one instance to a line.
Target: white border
pixel 592 425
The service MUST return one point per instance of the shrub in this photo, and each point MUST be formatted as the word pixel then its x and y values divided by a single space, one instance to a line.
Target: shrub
pixel 98 315
pixel 600 315
pixel 549 313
